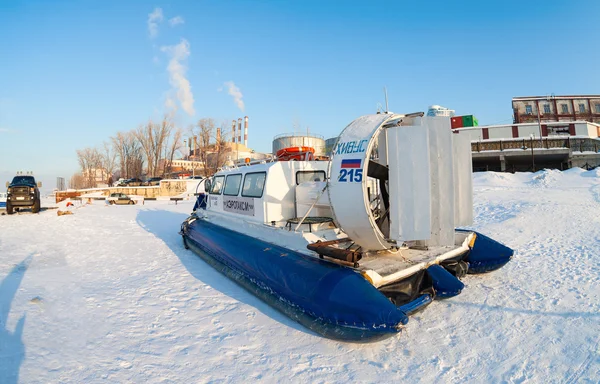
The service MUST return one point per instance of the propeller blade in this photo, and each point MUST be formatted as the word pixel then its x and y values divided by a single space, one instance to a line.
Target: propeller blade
pixel 377 171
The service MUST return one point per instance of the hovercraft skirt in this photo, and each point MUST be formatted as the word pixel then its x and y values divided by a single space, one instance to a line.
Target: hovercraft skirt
pixel 330 300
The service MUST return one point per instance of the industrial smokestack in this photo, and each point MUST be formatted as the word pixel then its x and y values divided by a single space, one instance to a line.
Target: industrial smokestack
pixel 246 131
pixel 240 130
pixel 233 131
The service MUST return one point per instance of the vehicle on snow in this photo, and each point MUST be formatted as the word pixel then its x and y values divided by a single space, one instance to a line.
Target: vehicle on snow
pixel 133 182
pixel 23 192
pixel 119 199
pixel 353 246
pixel 153 181
pixel 119 183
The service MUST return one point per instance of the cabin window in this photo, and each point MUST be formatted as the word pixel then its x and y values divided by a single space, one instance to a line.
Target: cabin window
pixel 254 184
pixel 217 185
pixel 232 185
pixel 304 176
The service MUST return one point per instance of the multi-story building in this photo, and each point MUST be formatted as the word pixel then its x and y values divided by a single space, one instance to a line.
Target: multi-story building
pixel 548 132
pixel 529 109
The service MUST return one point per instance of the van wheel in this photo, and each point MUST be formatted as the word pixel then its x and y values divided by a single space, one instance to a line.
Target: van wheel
pixel 9 208
pixel 36 207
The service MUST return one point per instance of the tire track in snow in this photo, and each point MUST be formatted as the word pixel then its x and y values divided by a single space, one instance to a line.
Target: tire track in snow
pixel 595 191
pixel 585 365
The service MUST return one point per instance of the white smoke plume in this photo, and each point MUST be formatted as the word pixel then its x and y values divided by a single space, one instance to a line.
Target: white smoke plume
pixel 235 92
pixel 170 104
pixel 176 21
pixel 178 55
pixel 153 19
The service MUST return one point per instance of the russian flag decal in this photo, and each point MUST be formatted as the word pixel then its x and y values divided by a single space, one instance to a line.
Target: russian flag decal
pixel 351 163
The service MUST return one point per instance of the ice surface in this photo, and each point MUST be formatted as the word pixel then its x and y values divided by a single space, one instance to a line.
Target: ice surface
pixel 110 295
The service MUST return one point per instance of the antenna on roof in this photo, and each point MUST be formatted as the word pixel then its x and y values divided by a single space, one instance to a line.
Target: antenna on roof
pixel 386 100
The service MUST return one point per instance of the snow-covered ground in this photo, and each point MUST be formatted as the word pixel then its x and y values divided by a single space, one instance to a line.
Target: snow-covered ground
pixel 110 295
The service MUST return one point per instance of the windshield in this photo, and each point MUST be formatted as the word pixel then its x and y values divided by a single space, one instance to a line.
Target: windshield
pixel 23 180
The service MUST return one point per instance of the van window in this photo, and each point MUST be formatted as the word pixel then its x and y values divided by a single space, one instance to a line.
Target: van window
pixel 217 185
pixel 232 185
pixel 254 184
pixel 304 176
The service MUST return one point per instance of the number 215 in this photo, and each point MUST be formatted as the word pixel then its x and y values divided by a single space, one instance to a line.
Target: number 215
pixel 350 175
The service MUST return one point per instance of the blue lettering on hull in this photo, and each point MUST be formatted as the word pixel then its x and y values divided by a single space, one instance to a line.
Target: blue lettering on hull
pixel 351 147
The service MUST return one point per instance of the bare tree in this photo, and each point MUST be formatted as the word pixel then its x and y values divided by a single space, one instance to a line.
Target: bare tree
pixel 174 145
pixel 118 143
pixel 219 151
pixel 135 163
pixel 152 138
pixel 213 148
pixel 91 164
pixel 203 132
pixel 162 139
pixel 154 144
pixel 109 160
pixel 130 153
pixel 76 181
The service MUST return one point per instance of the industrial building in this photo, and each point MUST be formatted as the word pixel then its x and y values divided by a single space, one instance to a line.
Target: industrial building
pixel 537 130
pixel 548 132
pixel 519 147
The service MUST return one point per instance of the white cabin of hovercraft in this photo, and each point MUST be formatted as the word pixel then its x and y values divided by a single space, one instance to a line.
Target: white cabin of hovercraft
pixel 272 192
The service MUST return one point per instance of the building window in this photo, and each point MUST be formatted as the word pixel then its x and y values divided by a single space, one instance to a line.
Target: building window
pixel 304 176
pixel 558 130
pixel 232 185
pixel 581 108
pixel 254 183
pixel 597 108
pixel 564 108
pixel 546 108
pixel 528 110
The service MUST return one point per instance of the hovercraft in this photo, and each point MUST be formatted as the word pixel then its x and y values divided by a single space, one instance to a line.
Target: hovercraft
pixel 350 247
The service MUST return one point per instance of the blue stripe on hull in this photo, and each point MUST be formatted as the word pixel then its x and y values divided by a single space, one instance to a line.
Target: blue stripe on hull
pixel 331 300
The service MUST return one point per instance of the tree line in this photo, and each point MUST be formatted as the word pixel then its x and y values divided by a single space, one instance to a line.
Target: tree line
pixel 150 150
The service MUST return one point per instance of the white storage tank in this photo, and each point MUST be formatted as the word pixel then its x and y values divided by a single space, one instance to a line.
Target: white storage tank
pixel 306 195
pixel 287 140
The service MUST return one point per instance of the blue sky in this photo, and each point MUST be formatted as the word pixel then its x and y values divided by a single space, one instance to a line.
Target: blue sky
pixel 73 73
